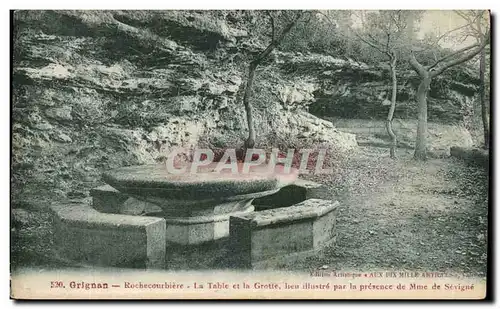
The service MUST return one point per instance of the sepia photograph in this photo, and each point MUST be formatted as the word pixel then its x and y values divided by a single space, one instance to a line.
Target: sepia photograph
pixel 250 154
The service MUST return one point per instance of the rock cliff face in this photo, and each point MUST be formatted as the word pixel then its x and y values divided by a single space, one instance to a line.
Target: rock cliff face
pixel 97 90
pixel 348 89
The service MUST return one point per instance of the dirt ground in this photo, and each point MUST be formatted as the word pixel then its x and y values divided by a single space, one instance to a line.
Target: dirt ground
pixel 395 215
pixel 408 215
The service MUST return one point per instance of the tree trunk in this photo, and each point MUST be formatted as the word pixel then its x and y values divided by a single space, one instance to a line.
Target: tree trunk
pixel 426 75
pixel 250 141
pixel 482 98
pixel 391 110
pixel 421 143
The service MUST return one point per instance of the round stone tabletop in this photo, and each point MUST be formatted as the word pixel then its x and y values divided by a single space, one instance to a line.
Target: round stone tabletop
pixel 207 183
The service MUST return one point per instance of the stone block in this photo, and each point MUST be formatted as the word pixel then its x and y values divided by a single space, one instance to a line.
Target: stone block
pixel 258 236
pixel 297 192
pixel 285 197
pixel 107 199
pixel 314 190
pixel 87 236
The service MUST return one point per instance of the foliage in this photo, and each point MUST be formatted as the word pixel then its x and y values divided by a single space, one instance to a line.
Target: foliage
pixel 321 32
pixel 390 30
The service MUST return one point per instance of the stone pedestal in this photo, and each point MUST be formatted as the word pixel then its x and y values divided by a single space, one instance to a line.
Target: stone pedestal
pixel 200 228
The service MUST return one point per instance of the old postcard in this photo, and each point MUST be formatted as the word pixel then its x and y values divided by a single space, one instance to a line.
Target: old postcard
pixel 250 154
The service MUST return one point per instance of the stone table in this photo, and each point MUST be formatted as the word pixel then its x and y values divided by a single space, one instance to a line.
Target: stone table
pixel 197 206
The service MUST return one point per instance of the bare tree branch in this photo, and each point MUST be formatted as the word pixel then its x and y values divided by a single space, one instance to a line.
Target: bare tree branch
pixel 462 59
pixel 380 49
pixel 474 25
pixel 470 21
pixel 466 36
pixel 277 41
pixel 464 16
pixel 395 21
pixel 421 71
pixel 478 25
pixel 453 55
pixel 327 18
pixel 432 45
pixel 273 34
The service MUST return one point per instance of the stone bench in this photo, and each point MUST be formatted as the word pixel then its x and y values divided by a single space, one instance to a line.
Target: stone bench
pixel 87 236
pixel 292 194
pixel 262 235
